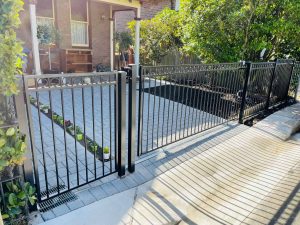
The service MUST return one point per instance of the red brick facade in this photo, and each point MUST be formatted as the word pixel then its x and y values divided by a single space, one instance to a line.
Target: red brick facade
pixel 99 28
pixel 148 11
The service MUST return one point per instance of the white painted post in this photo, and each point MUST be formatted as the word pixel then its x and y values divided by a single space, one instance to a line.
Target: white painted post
pixel 137 37
pixel 177 5
pixel 112 53
pixel 35 43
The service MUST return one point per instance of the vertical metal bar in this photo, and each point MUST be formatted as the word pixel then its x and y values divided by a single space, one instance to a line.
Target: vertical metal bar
pixel 84 132
pixel 42 142
pixel 93 121
pixel 24 114
pixel 110 123
pixel 186 103
pixel 174 102
pixel 53 138
pixel 65 138
pixel 131 119
pixel 140 113
pixel 102 125
pixel 153 115
pixel 148 115
pixel 121 122
pixel 270 87
pixel 158 119
pixel 75 132
pixel 244 94
pixel 164 107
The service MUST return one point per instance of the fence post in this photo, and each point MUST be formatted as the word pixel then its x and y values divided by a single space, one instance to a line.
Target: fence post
pixel 23 111
pixel 140 111
pixel 121 122
pixel 243 103
pixel 270 86
pixel 131 118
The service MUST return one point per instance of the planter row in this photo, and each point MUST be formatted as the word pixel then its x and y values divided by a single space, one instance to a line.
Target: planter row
pixel 74 131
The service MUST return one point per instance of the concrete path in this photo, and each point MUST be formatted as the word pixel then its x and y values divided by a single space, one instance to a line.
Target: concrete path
pixel 251 178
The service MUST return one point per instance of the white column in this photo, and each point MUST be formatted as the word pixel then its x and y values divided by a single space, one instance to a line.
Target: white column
pixel 35 43
pixel 112 53
pixel 137 37
pixel 177 5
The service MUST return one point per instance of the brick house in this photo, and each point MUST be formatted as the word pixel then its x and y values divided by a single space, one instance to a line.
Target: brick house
pixel 85 28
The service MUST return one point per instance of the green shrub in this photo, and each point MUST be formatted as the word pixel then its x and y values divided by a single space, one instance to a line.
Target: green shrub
pixel 11 48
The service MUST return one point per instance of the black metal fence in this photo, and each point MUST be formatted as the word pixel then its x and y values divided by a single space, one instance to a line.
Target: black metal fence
pixel 80 125
pixel 179 101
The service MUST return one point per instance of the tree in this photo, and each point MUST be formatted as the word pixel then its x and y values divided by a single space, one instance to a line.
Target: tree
pixel 233 30
pixel 159 35
pixel 10 47
pixel 48 36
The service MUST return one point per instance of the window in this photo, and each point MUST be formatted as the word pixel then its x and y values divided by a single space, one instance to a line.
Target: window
pixel 45 13
pixel 79 23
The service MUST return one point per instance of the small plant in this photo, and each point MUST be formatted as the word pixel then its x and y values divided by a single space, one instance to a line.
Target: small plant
pixel 60 120
pixel 54 117
pixel 93 146
pixel 79 134
pixel 32 100
pixel 12 152
pixel 68 123
pixel 17 198
pixel 45 108
pixel 106 153
pixel 71 129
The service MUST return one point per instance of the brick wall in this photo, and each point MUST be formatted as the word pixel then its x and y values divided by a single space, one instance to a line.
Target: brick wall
pixel 148 11
pixel 100 33
pixel 63 21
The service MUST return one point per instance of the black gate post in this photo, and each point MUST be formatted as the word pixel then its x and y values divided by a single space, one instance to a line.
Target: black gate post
pixel 244 94
pixel 270 86
pixel 121 122
pixel 132 73
pixel 23 111
pixel 140 112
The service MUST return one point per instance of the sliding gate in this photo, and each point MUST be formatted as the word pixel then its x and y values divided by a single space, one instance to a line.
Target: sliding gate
pixel 175 102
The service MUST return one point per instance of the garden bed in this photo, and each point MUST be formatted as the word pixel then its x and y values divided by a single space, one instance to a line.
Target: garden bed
pixel 75 131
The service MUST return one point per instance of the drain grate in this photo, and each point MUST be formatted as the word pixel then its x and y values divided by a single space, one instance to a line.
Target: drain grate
pixel 56 201
pixel 53 190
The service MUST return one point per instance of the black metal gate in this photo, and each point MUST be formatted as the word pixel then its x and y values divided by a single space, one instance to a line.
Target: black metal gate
pixel 74 129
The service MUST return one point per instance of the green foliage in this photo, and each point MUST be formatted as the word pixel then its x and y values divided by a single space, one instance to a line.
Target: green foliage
pixel 11 48
pixel 159 35
pixel 228 31
pixel 123 40
pixel 47 35
pixel 16 198
pixel 12 148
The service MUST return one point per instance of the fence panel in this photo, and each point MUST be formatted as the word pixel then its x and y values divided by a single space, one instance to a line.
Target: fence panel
pixel 258 87
pixel 179 101
pixel 281 82
pixel 72 129
pixel 295 80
